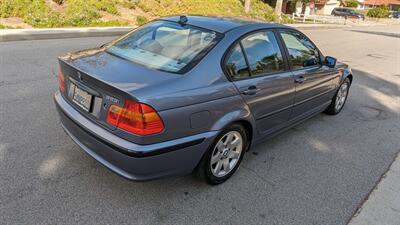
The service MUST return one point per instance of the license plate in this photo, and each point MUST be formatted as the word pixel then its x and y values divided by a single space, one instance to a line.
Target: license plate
pixel 82 98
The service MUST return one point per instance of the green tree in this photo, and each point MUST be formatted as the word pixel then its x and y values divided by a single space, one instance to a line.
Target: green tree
pixel 352 4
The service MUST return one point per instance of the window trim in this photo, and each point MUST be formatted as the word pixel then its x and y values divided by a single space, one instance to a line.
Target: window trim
pixel 224 58
pixel 321 57
pixel 228 54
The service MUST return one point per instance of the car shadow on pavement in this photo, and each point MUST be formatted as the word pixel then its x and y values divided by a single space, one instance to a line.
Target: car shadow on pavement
pixel 388 34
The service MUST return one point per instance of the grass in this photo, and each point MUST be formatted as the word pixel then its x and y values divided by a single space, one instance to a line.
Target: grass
pixel 259 10
pixel 32 12
pixel 140 20
pixel 78 13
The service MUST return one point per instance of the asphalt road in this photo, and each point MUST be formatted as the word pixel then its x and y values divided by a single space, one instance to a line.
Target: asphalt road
pixel 316 173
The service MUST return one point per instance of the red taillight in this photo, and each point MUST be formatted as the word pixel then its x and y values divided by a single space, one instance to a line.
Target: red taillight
pixel 134 117
pixel 61 81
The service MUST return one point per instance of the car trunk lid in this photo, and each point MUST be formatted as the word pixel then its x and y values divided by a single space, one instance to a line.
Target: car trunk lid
pixel 96 79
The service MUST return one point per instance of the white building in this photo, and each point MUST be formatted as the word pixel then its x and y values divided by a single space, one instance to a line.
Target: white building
pixel 320 7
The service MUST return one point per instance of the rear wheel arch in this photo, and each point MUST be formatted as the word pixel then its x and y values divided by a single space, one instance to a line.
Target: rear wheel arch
pixel 203 168
pixel 248 127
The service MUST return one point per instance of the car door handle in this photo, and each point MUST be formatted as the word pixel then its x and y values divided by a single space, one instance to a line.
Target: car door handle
pixel 299 80
pixel 252 90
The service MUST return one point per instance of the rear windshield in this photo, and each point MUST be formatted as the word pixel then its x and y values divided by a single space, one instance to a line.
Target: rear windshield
pixel 166 46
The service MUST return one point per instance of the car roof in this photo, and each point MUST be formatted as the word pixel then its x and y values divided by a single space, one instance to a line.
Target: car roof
pixel 222 24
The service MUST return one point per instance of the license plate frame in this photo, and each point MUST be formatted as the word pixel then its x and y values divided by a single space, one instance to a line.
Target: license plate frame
pixel 82 98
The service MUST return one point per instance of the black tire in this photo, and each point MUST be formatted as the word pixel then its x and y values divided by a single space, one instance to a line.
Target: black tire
pixel 203 170
pixel 332 110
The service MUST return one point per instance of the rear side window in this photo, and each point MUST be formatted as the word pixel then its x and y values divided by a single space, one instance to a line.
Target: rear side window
pixel 166 46
pixel 255 55
pixel 236 65
pixel 263 53
pixel 302 53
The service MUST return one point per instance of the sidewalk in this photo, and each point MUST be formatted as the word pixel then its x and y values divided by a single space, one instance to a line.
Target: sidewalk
pixel 383 204
pixel 54 33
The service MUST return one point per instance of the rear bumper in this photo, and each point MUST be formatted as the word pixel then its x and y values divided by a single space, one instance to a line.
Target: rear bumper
pixel 130 160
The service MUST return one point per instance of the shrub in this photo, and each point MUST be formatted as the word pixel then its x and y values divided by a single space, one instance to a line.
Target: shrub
pixel 379 12
pixel 104 5
pixel 140 20
pixel 129 4
pixel 352 4
pixel 259 9
pixel 80 13
pixel 34 12
pixel 88 12
pixel 285 19
pixel 16 8
pixel 59 2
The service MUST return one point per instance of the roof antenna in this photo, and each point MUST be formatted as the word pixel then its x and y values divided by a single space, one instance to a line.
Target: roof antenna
pixel 182 20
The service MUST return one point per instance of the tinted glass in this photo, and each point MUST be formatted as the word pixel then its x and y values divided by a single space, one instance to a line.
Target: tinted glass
pixel 263 53
pixel 235 64
pixel 302 53
pixel 351 11
pixel 166 46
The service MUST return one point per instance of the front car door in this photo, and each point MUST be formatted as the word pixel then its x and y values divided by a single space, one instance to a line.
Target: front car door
pixel 314 81
pixel 257 68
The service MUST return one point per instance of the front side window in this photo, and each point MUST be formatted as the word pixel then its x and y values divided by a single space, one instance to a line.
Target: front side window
pixel 166 46
pixel 263 53
pixel 302 53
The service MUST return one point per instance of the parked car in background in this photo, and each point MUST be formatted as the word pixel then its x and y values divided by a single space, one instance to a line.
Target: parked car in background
pixel 194 93
pixel 395 14
pixel 347 12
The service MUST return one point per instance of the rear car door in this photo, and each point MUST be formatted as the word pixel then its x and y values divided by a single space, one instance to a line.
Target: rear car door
pixel 257 68
pixel 313 81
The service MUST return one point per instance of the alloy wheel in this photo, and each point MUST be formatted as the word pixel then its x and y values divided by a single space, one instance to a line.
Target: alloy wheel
pixel 226 153
pixel 341 96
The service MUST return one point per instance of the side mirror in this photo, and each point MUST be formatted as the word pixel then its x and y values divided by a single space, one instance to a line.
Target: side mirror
pixel 330 61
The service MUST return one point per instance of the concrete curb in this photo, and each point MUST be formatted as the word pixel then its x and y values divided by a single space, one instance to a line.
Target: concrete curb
pixel 317 26
pixel 382 205
pixel 56 33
